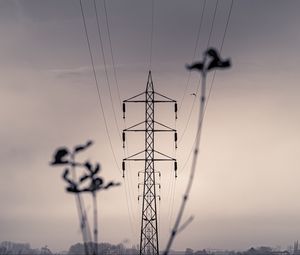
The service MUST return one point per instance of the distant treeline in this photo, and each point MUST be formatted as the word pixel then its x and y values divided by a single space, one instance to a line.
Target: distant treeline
pixel 12 248
pixel 104 249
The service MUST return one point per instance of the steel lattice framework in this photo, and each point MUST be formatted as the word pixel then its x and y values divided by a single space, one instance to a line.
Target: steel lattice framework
pixel 149 242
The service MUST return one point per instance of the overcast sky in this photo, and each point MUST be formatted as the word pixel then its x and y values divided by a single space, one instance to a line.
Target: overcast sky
pixel 246 189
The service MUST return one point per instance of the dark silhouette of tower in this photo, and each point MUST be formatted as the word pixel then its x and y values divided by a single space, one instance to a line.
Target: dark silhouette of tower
pixel 149 242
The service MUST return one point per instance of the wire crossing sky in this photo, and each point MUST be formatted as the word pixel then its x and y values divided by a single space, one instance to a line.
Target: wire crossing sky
pixel 249 164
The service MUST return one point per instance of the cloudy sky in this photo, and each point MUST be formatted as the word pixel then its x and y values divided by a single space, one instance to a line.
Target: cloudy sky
pixel 247 183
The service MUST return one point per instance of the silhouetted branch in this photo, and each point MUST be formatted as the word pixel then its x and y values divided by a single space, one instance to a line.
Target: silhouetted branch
pixel 185 224
pixel 60 157
pixel 214 62
pixel 79 148
pixel 64 156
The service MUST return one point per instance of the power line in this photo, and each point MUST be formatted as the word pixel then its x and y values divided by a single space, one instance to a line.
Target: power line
pixel 129 206
pixel 193 169
pixel 105 66
pixel 128 190
pixel 97 84
pixel 194 55
pixel 131 195
pixel 111 52
pixel 131 220
pixel 204 70
pixel 102 50
pixel 173 184
pixel 227 23
pixel 106 127
pixel 212 26
pixel 213 79
pixel 188 158
pixel 223 39
pixel 194 100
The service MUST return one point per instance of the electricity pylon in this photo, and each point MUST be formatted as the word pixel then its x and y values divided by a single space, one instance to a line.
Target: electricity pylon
pixel 149 230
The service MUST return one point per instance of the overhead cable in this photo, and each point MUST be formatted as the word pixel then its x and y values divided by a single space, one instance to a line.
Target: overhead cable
pixel 97 85
pixel 194 99
pixel 212 81
pixel 105 66
pixel 194 55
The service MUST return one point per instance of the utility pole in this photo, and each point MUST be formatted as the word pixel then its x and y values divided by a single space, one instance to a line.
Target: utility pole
pixel 149 242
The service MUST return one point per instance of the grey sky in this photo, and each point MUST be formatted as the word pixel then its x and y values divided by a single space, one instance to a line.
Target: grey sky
pixel 246 188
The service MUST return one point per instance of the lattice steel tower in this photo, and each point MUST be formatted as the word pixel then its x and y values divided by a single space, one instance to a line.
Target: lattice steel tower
pixel 149 242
